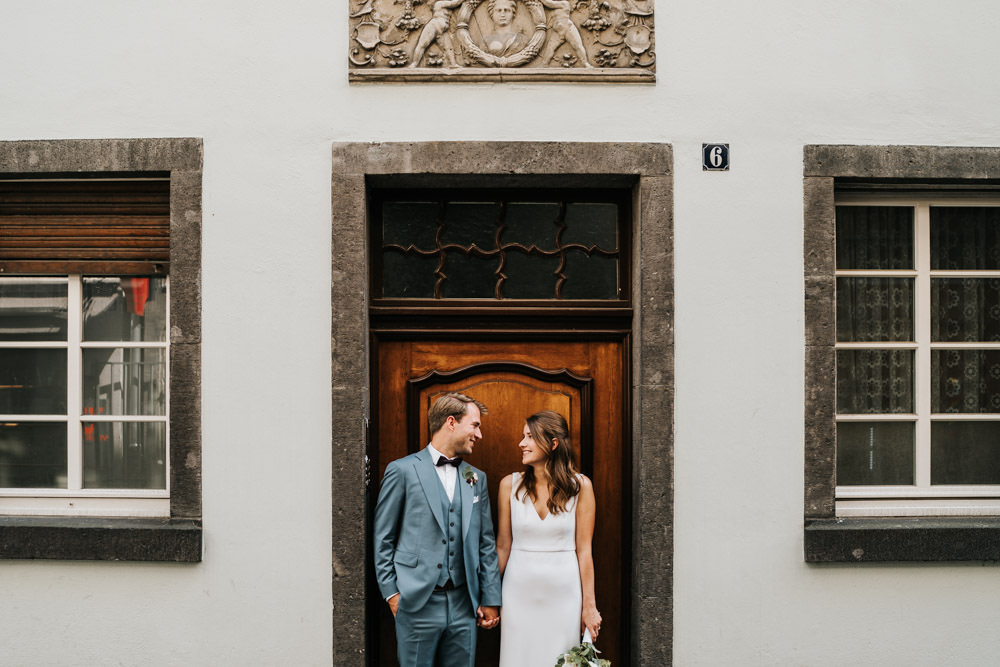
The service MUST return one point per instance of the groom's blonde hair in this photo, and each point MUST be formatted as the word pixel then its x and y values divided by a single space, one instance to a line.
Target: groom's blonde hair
pixel 450 405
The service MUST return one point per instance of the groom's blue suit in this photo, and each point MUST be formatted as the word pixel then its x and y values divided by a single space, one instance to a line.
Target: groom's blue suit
pixel 416 532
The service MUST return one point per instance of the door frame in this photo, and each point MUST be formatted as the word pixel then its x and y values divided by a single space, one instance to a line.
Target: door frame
pixel 645 168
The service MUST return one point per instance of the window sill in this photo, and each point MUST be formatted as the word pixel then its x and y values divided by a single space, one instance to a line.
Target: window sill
pixel 65 538
pixel 861 540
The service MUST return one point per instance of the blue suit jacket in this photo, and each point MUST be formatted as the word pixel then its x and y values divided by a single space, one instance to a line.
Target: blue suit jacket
pixel 411 536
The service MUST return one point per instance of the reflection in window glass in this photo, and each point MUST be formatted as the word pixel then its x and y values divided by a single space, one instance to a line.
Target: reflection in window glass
pixel 874 237
pixel 124 455
pixel 469 276
pixel 32 310
pixel 33 455
pixel 471 223
pixel 965 310
pixel 32 381
pixel 964 452
pixel 410 222
pixel 874 309
pixel 124 381
pixel 125 309
pixel 965 381
pixel 408 275
pixel 592 224
pixel 531 223
pixel 529 277
pixel 874 381
pixel 593 277
pixel 965 238
pixel 875 453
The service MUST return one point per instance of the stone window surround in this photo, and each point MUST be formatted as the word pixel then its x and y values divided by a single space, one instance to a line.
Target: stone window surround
pixel 177 538
pixel 827 538
pixel 647 167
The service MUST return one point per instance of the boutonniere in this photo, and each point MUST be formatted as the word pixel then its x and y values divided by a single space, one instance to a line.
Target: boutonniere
pixel 470 476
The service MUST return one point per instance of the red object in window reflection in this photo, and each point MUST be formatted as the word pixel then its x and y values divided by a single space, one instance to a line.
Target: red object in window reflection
pixel 136 294
pixel 88 432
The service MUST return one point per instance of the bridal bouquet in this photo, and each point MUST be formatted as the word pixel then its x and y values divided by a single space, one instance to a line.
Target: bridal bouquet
pixel 583 654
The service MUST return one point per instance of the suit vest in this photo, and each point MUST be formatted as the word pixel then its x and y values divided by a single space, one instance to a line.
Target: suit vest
pixel 453 565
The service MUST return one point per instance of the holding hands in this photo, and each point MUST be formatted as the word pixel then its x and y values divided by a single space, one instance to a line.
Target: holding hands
pixel 488 617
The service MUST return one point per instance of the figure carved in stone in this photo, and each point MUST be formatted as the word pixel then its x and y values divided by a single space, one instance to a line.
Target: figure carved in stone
pixel 436 29
pixel 504 41
pixel 562 29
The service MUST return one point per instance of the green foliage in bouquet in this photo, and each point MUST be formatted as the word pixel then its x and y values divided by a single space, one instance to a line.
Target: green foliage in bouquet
pixel 582 655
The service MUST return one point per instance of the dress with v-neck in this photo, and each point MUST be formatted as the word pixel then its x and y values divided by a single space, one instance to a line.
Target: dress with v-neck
pixel 542 599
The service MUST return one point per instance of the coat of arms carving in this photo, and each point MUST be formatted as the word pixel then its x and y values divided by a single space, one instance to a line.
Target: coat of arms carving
pixel 517 40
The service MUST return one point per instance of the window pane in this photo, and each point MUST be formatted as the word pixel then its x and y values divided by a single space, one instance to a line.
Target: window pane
pixel 965 452
pixel 470 277
pixel 874 381
pixel 33 455
pixel 874 237
pixel 32 310
pixel 125 381
pixel 32 382
pixel 408 276
pixel 531 223
pixel 592 224
pixel 529 276
pixel 124 455
pixel 965 237
pixel 407 222
pixel 125 309
pixel 874 309
pixel 468 223
pixel 593 277
pixel 965 309
pixel 965 381
pixel 875 453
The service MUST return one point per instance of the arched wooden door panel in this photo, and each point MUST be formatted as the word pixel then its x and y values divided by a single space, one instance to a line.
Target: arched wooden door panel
pixel 585 381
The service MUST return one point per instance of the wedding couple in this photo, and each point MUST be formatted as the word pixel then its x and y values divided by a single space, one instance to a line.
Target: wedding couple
pixel 439 566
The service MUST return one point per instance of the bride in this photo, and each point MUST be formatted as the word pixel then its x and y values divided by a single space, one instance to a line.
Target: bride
pixel 546 522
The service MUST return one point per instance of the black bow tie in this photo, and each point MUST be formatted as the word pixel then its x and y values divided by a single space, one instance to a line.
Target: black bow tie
pixel 445 461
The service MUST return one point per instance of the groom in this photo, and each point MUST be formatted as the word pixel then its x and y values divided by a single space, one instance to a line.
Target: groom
pixel 435 553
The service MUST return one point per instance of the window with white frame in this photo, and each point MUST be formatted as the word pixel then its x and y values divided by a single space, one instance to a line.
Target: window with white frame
pixel 83 395
pixel 917 355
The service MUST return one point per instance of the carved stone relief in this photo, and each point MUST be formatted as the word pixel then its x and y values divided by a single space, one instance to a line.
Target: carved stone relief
pixel 515 40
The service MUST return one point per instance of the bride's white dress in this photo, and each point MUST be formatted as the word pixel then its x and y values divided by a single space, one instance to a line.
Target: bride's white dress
pixel 541 586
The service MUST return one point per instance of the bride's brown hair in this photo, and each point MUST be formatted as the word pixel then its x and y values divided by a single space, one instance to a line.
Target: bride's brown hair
pixel 546 426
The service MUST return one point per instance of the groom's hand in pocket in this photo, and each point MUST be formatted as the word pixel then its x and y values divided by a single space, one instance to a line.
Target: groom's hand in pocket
pixel 393 604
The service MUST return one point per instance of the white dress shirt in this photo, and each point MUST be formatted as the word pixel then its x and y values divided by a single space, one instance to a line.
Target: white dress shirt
pixel 447 474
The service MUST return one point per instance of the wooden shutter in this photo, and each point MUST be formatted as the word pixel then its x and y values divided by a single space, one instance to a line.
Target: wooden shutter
pixel 96 227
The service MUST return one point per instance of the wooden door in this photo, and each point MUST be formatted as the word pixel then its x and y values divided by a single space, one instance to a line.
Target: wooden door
pixel 586 381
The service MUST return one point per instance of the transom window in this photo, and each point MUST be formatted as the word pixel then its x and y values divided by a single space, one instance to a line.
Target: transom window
pixel 501 246
pixel 917 356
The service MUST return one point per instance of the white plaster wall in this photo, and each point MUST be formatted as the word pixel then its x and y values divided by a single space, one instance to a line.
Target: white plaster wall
pixel 265 85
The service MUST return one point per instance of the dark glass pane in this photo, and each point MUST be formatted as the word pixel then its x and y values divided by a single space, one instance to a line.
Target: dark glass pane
pixel 531 223
pixel 874 237
pixel 874 309
pixel 592 224
pixel 965 381
pixel 470 277
pixel 965 309
pixel 594 277
pixel 32 382
pixel 408 276
pixel 468 223
pixel 125 309
pixel 874 381
pixel 965 452
pixel 124 455
pixel 965 238
pixel 31 310
pixel 33 455
pixel 124 381
pixel 529 276
pixel 875 453
pixel 406 222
